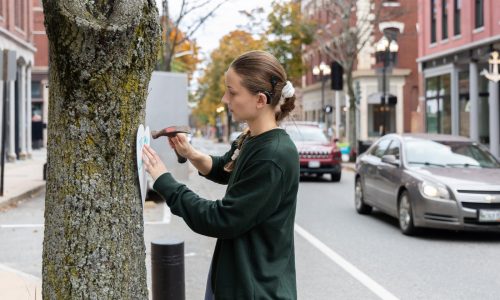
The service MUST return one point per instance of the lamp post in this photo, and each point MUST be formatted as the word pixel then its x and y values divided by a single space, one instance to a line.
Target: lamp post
pixel 386 53
pixel 323 70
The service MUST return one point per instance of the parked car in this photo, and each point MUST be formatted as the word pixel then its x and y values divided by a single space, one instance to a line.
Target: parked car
pixel 425 180
pixel 318 154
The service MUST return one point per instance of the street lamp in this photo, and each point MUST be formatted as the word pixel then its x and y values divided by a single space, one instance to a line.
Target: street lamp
pixel 386 53
pixel 323 70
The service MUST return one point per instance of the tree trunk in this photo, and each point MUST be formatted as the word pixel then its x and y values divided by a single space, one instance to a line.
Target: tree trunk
pixel 102 53
pixel 352 107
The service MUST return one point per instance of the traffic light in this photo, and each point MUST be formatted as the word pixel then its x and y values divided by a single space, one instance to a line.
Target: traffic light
pixel 336 76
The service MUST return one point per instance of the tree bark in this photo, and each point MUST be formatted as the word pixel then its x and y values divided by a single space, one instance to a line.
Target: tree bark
pixel 102 54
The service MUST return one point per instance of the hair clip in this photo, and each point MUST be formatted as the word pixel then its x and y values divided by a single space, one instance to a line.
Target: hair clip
pixel 274 81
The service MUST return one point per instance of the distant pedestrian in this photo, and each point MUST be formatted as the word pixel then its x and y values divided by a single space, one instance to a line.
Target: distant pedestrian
pixel 254 257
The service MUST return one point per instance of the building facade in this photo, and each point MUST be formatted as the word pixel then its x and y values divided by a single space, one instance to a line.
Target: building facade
pixel 40 78
pixel 457 41
pixel 402 79
pixel 16 42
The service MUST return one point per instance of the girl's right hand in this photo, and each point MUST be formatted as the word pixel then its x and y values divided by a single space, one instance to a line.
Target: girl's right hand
pixel 181 144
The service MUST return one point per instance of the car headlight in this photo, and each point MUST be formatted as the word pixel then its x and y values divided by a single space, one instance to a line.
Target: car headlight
pixel 434 190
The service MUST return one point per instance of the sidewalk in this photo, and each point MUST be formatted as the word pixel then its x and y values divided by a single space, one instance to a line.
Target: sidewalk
pixel 15 285
pixel 23 178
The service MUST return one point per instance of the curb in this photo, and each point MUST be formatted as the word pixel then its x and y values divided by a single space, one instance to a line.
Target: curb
pixel 348 168
pixel 13 201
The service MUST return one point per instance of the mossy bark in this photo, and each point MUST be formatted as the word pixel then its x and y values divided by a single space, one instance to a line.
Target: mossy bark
pixel 102 53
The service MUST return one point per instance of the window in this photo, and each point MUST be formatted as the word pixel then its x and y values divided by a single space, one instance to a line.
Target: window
pixel 433 21
pixel 380 148
pixel 391 3
pixel 444 19
pixel 394 149
pixel 457 8
pixel 463 102
pixel 438 104
pixel 19 13
pixel 36 91
pixel 479 13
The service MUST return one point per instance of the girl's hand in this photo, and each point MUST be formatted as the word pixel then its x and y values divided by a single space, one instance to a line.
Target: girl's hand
pixel 152 162
pixel 181 145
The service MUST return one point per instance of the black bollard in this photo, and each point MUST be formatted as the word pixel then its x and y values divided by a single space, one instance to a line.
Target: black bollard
pixel 167 260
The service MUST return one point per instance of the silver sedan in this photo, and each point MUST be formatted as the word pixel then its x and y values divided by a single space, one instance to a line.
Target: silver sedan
pixel 424 180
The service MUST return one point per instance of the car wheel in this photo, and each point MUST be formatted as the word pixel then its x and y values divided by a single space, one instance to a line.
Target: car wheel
pixel 359 203
pixel 336 176
pixel 405 213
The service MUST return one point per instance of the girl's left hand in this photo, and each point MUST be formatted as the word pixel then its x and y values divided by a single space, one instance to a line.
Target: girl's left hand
pixel 152 162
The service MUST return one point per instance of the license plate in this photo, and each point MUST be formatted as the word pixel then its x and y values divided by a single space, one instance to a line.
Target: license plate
pixel 489 215
pixel 314 164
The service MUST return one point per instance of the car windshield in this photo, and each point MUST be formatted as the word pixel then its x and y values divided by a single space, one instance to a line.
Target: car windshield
pixel 306 134
pixel 425 153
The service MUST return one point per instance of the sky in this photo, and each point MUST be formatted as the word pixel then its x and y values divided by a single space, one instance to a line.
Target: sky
pixel 225 20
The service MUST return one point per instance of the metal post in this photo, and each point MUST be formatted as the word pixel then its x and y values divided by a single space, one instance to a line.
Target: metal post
pixel 474 103
pixel 3 134
pixel 384 98
pixel 167 260
pixel 494 119
pixel 337 114
pixel 323 98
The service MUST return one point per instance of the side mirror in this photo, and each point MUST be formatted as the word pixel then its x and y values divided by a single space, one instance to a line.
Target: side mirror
pixel 391 159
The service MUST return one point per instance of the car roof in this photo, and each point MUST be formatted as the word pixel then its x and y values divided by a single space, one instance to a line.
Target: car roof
pixel 435 137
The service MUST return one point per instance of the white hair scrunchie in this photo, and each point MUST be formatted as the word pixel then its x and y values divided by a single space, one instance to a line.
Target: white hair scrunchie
pixel 288 90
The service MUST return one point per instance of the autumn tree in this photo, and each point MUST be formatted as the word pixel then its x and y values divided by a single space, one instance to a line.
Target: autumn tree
pixel 172 26
pixel 185 58
pixel 211 84
pixel 285 35
pixel 102 53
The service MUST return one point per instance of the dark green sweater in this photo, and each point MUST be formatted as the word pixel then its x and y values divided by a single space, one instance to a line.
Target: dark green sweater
pixel 254 256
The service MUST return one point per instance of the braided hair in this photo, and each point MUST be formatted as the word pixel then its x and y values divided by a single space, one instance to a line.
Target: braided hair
pixel 261 72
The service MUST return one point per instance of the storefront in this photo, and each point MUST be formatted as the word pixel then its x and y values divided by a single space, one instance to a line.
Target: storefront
pixel 459 98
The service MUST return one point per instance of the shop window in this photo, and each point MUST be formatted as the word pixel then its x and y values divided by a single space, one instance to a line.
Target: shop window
pixel 380 115
pixel 444 19
pixel 464 104
pixel 479 13
pixel 457 9
pixel 438 104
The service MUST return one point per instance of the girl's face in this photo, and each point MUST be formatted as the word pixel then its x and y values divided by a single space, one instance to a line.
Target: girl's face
pixel 244 105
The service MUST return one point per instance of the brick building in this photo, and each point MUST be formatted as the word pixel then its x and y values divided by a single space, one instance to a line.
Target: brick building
pixel 403 80
pixel 456 42
pixel 40 78
pixel 16 42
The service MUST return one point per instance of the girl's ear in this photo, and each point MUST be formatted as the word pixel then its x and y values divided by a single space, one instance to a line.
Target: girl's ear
pixel 261 100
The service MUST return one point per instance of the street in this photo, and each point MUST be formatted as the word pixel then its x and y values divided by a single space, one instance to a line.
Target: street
pixel 339 254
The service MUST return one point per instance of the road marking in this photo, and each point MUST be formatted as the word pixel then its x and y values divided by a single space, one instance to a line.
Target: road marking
pixel 21 225
pixel 347 266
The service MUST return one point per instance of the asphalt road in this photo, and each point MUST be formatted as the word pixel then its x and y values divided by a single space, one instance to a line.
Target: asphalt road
pixel 339 254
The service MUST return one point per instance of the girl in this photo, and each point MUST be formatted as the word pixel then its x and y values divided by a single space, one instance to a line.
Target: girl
pixel 254 255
